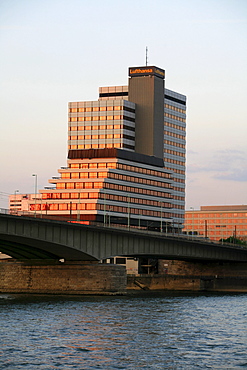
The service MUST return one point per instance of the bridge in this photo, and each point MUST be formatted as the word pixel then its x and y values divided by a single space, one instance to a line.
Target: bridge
pixel 29 238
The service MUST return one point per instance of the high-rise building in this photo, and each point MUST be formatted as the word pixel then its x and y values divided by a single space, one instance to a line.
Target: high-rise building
pixel 126 157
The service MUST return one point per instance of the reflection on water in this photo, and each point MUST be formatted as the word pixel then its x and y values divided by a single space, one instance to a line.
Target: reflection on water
pixel 128 332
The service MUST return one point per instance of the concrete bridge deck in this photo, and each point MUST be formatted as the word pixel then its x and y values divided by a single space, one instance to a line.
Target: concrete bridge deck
pixel 34 238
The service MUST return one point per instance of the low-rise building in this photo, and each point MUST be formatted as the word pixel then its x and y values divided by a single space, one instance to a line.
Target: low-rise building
pixel 217 222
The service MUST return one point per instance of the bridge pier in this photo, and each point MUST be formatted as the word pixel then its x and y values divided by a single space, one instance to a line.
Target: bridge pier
pixel 54 277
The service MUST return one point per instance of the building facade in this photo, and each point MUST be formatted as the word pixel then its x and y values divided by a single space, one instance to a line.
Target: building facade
pixel 126 157
pixel 217 222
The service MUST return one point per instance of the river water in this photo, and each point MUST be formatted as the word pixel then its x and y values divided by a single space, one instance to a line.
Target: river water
pixel 161 331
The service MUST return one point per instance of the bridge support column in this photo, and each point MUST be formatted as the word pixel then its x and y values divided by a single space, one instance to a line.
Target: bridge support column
pixel 53 277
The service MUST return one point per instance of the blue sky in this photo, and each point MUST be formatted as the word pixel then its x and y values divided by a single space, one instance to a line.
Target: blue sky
pixel 56 51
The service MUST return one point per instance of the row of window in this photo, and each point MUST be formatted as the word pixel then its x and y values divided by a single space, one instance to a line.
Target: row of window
pixel 143 191
pixel 212 227
pixel 102 127
pixel 168 115
pixel 99 185
pixel 176 197
pixel 102 146
pixel 217 221
pixel 103 136
pixel 94 206
pixel 173 152
pixel 173 125
pixel 95 109
pixel 177 136
pixel 79 185
pixel 173 143
pixel 119 166
pixel 145 171
pixel 175 188
pixel 100 109
pixel 168 106
pixel 96 195
pixel 138 180
pixel 81 195
pixel 120 198
pixel 215 215
pixel 168 160
pixel 83 175
pixel 136 211
pixel 180 172
pixel 101 118
pixel 93 165
pixel 182 181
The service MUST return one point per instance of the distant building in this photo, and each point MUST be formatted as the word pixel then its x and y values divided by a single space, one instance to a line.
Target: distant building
pixel 20 203
pixel 126 157
pixel 217 222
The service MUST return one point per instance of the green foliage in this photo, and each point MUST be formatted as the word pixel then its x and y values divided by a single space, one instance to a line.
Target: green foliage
pixel 234 240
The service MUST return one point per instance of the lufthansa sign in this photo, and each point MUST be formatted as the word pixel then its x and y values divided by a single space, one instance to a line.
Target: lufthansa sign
pixel 146 71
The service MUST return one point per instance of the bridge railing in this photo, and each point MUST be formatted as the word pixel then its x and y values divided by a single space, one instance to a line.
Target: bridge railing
pixel 117 227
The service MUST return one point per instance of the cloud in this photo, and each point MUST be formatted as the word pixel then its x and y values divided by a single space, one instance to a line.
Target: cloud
pixel 228 164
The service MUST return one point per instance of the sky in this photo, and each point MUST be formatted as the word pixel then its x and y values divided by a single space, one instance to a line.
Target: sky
pixel 56 51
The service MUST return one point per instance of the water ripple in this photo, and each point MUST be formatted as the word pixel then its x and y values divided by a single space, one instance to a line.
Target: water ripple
pixel 137 332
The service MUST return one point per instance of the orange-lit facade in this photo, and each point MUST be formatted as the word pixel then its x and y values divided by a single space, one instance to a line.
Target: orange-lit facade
pixel 217 222
pixel 126 158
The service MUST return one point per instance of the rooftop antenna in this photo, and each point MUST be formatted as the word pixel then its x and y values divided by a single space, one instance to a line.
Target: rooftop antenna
pixel 146 55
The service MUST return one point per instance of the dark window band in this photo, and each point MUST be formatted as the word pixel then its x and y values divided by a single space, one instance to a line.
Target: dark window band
pixel 175 99
pixel 106 95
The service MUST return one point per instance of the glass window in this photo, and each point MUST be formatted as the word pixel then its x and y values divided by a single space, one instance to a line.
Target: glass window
pixel 53 207
pixel 102 118
pixel 102 174
pixel 89 109
pixel 92 165
pixel 95 109
pixel 75 175
pixel 93 195
pixel 65 195
pixel 84 165
pixel 63 206
pixel 98 185
pixel 93 174
pixel 70 185
pixel 88 185
pixel 61 185
pixel 91 206
pixel 83 195
pixel 81 206
pixel 74 195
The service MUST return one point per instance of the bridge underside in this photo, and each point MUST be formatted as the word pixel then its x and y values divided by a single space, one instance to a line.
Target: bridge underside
pixel 26 248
